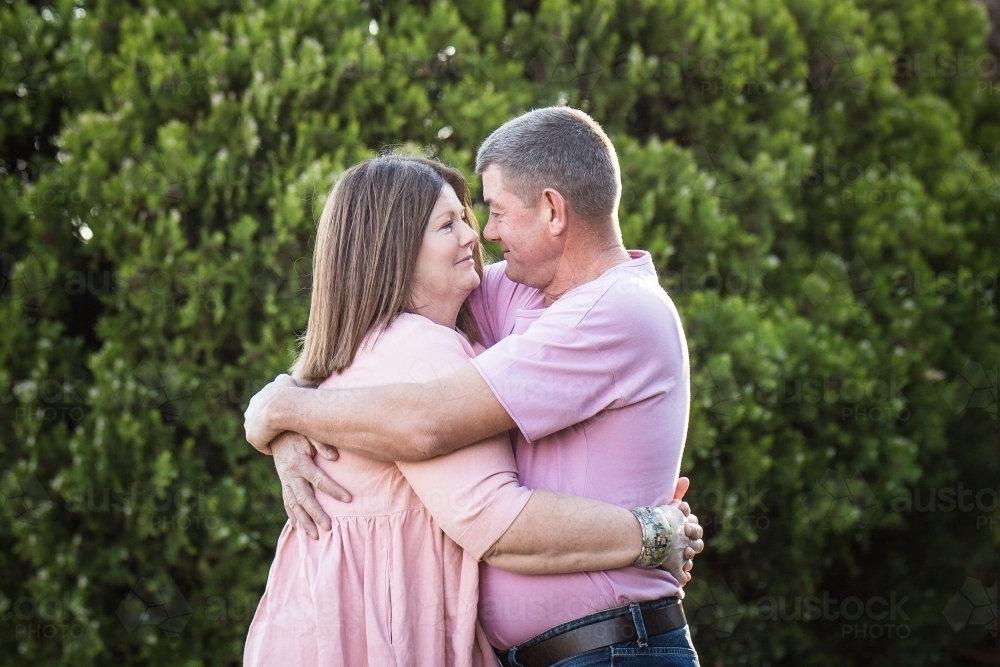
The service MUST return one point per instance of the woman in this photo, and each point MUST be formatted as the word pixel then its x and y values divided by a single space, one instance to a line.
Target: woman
pixel 395 582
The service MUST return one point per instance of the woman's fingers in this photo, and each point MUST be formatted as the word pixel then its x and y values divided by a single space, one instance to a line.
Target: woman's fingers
pixel 328 452
pixel 305 522
pixel 681 505
pixel 693 530
pixel 305 498
pixel 306 469
pixel 288 500
pixel 315 476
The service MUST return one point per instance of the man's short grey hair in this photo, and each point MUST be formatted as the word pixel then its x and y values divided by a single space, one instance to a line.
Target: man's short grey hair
pixel 559 148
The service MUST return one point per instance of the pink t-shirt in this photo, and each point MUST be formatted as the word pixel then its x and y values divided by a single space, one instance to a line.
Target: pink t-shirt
pixel 598 384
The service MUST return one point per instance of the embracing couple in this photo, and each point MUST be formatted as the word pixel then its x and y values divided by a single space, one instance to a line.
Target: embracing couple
pixel 511 434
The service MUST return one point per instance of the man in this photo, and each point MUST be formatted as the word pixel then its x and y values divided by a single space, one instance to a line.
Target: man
pixel 586 363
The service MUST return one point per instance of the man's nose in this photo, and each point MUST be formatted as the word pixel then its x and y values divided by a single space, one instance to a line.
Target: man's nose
pixel 490 230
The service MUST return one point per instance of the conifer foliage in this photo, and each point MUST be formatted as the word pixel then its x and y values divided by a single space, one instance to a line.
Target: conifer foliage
pixel 817 183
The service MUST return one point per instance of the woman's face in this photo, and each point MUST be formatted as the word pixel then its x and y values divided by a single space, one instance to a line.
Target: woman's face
pixel 445 273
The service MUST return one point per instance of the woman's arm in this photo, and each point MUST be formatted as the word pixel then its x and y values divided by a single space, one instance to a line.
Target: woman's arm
pixel 474 496
pixel 557 533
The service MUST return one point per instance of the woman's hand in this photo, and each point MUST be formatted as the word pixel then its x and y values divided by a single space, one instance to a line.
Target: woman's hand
pixel 687 532
pixel 300 477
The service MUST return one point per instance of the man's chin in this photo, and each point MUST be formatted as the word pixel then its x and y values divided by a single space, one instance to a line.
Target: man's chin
pixel 513 272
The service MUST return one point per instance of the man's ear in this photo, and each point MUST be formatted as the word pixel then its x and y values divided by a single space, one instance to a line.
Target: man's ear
pixel 556 211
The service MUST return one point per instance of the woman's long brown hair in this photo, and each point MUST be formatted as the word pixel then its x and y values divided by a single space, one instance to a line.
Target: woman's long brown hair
pixel 367 244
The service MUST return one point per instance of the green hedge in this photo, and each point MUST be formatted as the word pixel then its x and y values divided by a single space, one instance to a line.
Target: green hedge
pixel 816 180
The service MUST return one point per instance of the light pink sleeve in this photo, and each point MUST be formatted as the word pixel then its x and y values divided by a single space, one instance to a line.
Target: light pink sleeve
pixel 473 493
pixel 483 303
pixel 495 302
pixel 549 377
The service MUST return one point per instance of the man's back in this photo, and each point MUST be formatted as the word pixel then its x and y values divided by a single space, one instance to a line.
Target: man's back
pixel 599 385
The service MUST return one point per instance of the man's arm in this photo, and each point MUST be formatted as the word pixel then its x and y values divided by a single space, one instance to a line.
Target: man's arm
pixel 397 422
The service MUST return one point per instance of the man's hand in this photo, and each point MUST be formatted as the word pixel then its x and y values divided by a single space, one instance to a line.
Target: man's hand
pixel 300 477
pixel 258 433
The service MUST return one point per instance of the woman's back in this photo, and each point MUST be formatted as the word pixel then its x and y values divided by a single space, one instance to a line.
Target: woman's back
pixel 386 586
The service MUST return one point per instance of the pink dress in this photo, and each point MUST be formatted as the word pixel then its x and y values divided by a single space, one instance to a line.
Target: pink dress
pixel 396 581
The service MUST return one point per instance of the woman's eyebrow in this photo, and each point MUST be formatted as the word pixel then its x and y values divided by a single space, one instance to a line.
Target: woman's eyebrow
pixel 451 212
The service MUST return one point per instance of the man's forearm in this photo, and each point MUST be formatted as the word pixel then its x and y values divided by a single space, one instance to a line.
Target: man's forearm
pixel 397 422
pixel 377 422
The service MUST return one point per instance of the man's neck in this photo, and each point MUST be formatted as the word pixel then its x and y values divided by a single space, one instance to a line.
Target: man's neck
pixel 578 268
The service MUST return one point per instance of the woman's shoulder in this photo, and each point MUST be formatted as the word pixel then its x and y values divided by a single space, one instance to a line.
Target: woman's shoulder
pixel 418 348
pixel 416 329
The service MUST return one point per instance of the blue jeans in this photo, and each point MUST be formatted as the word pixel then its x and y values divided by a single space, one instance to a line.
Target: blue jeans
pixel 669 649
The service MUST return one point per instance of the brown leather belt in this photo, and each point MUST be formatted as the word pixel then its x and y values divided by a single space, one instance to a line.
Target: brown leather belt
pixel 609 627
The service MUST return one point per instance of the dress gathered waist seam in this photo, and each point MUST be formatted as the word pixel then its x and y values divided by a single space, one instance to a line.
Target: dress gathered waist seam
pixel 380 514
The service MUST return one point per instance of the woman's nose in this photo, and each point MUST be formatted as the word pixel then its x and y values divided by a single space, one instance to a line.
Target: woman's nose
pixel 469 236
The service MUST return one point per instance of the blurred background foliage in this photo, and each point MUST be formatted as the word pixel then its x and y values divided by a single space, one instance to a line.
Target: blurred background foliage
pixel 817 183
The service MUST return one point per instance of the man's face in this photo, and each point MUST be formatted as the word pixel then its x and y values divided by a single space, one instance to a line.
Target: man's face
pixel 522 232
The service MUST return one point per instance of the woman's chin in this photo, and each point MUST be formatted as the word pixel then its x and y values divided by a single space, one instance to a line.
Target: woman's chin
pixel 468 281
